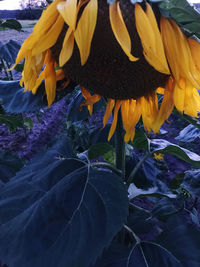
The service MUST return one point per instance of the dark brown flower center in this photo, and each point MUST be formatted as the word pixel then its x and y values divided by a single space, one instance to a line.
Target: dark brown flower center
pixel 108 71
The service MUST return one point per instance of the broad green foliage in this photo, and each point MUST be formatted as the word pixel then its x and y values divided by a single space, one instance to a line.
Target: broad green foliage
pixel 9 51
pixel 81 203
pixel 85 201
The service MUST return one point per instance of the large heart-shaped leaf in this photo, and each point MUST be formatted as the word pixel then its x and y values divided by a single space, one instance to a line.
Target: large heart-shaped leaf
pixel 58 210
pixel 9 51
pixel 115 256
pixel 146 254
pixel 16 101
pixel 182 240
pixel 9 165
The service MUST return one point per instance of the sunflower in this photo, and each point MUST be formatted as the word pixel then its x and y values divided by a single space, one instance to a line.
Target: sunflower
pixel 127 53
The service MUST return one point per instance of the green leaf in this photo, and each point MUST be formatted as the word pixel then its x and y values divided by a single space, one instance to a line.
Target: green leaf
pixel 103 150
pixel 28 122
pixel 176 182
pixel 165 147
pixel 19 67
pixel 183 13
pixel 12 24
pixel 13 122
pixel 140 140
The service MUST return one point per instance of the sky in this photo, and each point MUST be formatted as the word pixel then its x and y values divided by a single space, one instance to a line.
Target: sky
pixel 9 4
pixel 14 4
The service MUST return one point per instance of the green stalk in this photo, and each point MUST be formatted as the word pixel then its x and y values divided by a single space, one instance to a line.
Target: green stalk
pixel 134 171
pixel 5 68
pixel 120 146
pixel 10 72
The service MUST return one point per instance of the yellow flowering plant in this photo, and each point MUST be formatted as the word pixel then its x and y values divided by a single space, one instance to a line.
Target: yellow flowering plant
pixel 99 196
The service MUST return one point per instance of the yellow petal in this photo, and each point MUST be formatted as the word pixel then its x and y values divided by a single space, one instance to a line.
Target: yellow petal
pixel 50 83
pixel 109 109
pixel 195 50
pixel 160 90
pixel 85 30
pixel 178 53
pixel 134 114
pixel 149 109
pixel 22 79
pixel 125 113
pixel 158 59
pixel 49 39
pixel 192 101
pixel 23 51
pixel 38 82
pixel 115 117
pixel 68 10
pixel 189 69
pixel 86 94
pixel 148 31
pixel 47 20
pixel 119 29
pixel 179 95
pixel 166 106
pixel 67 48
pixel 90 99
pixel 170 41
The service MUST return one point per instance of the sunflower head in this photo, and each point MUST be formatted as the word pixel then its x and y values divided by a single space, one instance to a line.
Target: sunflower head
pixel 118 50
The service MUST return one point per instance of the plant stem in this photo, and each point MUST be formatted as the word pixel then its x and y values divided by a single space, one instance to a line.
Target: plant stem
pixel 120 146
pixel 134 171
pixel 11 75
pixel 5 68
